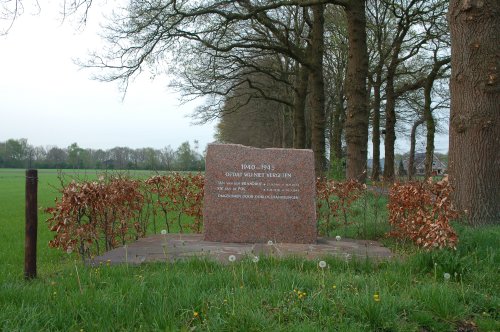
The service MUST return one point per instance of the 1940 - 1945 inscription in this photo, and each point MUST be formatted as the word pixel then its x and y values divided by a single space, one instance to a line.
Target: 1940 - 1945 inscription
pixel 257 195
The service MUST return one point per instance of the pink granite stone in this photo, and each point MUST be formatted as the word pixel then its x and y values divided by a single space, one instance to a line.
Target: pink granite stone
pixel 259 195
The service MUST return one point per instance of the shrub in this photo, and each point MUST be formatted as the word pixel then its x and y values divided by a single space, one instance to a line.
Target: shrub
pixel 92 211
pixel 334 199
pixel 180 194
pixel 421 212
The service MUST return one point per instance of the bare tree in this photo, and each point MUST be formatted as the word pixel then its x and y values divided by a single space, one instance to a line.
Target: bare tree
pixel 438 70
pixel 379 27
pixel 335 70
pixel 416 26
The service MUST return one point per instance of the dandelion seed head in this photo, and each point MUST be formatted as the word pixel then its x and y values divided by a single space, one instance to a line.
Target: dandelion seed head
pixel 163 232
pixel 338 238
pixel 322 264
pixel 255 259
pixel 270 243
pixel 446 276
pixel 232 258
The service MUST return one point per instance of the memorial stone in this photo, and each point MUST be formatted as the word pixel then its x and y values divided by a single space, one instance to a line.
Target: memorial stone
pixel 259 195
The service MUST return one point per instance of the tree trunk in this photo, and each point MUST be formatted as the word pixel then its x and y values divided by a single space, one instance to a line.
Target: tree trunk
pixel 357 111
pixel 376 128
pixel 336 143
pixel 429 119
pixel 474 158
pixel 413 139
pixel 431 130
pixel 390 127
pixel 299 119
pixel 317 90
pixel 336 167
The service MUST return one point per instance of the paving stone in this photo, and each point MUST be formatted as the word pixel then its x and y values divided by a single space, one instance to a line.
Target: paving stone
pixel 173 247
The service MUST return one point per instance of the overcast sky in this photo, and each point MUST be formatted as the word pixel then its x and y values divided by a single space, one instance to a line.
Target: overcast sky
pixel 49 100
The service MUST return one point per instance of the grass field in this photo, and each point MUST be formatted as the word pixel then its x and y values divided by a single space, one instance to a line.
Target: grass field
pixel 407 294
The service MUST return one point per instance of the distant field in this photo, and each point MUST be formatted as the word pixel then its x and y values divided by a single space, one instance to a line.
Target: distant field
pixel 12 219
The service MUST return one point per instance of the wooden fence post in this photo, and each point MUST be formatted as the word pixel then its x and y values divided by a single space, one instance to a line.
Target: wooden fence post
pixel 31 224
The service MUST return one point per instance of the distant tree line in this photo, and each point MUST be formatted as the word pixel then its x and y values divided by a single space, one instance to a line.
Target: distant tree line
pixel 17 153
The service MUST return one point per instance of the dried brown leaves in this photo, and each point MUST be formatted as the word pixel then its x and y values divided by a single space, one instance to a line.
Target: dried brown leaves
pixel 421 212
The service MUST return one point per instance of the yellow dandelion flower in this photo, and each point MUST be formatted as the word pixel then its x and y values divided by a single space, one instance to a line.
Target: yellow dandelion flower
pixel 376 297
pixel 334 286
pixel 196 314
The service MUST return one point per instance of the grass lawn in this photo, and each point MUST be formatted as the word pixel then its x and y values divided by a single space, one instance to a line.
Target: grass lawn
pixel 407 294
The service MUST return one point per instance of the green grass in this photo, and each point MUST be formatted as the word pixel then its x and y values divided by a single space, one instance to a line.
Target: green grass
pixel 244 296
pixel 366 219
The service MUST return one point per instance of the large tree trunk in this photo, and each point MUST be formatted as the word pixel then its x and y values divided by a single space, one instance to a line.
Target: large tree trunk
pixel 413 139
pixel 356 128
pixel 475 109
pixel 376 128
pixel 299 119
pixel 317 90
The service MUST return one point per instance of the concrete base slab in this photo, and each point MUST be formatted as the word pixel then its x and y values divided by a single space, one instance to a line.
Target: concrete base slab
pixel 173 247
